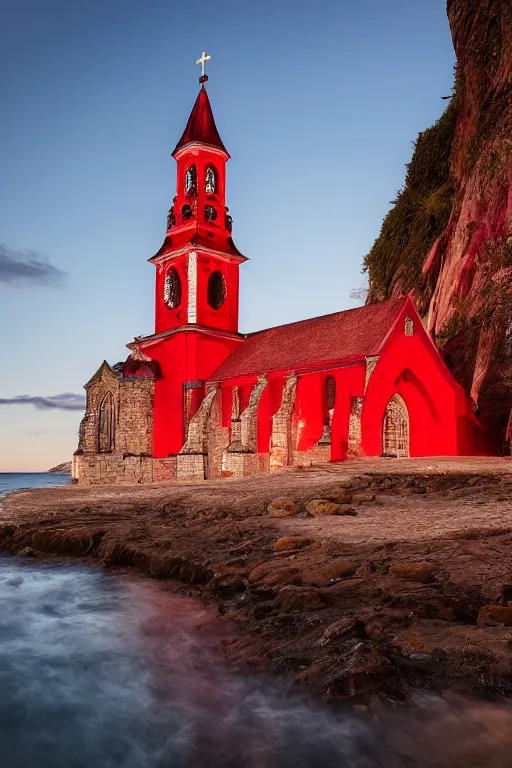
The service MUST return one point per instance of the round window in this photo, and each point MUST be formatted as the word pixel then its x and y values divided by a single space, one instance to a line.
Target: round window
pixel 216 290
pixel 172 289
pixel 186 211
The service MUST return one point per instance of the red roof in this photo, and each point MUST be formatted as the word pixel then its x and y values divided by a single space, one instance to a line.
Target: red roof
pixel 343 335
pixel 201 125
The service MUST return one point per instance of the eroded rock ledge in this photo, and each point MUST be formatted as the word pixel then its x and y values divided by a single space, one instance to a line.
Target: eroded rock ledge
pixel 410 588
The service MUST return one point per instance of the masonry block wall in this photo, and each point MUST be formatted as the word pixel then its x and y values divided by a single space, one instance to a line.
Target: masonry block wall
pixel 127 458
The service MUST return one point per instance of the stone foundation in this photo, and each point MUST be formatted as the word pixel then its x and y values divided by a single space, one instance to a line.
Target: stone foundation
pixel 237 464
pixel 320 454
pixel 109 469
pixel 192 466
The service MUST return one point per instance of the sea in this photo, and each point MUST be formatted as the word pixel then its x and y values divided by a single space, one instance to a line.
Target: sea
pixel 106 669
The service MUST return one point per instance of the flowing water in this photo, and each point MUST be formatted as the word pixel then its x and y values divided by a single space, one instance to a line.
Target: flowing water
pixel 107 669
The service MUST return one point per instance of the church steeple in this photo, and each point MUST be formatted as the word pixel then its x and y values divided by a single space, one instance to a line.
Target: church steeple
pixel 201 126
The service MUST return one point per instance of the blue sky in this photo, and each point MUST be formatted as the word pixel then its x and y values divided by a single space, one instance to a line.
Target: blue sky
pixel 317 103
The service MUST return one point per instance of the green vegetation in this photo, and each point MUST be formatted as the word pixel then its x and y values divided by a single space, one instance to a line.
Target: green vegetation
pixel 420 213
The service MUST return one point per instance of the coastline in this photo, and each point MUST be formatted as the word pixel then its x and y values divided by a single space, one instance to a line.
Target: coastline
pixel 408 591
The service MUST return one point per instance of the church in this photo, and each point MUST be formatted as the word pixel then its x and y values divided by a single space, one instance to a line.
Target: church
pixel 198 400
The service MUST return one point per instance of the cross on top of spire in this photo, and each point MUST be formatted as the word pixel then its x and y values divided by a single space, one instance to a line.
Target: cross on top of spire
pixel 204 58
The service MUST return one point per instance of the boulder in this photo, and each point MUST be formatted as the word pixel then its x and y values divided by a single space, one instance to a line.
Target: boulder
pixel 292 542
pixel 324 507
pixel 421 572
pixel 495 616
pixel 281 576
pixel 283 507
pixel 329 573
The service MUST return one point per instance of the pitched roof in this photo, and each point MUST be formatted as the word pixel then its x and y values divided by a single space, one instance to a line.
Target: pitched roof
pixel 201 125
pixel 343 335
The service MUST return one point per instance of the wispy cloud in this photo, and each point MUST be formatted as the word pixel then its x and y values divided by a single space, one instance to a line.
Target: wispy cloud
pixel 20 267
pixel 67 401
pixel 359 294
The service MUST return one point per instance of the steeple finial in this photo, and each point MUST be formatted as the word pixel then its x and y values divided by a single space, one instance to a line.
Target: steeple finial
pixel 204 58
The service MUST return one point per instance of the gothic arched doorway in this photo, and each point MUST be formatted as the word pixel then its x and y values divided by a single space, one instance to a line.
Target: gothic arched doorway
pixel 395 429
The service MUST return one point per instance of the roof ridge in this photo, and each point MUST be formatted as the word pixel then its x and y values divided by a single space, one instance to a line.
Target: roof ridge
pixel 329 314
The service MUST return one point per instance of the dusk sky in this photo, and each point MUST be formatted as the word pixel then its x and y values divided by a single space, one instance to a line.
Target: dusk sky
pixel 317 103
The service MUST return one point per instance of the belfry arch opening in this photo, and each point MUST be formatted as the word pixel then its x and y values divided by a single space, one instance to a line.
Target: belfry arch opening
pixel 395 429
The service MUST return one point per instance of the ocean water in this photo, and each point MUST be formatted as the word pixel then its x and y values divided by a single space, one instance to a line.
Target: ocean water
pixel 107 669
pixel 15 481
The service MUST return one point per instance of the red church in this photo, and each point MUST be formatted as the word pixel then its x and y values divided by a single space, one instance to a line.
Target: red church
pixel 197 399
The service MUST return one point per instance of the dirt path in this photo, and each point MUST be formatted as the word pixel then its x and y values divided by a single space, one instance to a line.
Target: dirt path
pixel 411 588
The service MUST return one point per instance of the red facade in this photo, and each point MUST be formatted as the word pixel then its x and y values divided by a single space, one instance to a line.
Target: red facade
pixel 365 377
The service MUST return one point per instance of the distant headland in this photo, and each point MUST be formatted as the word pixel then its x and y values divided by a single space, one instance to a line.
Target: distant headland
pixel 65 467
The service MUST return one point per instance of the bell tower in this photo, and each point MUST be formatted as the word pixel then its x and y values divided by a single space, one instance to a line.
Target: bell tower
pixel 197 265
pixel 196 295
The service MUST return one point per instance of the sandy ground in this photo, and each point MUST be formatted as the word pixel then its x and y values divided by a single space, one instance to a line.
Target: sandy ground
pixel 410 589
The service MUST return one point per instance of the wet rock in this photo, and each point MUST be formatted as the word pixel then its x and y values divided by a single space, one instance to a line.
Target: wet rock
pixel 282 576
pixel 283 507
pixel 324 507
pixel 292 599
pixel 338 589
pixel 28 552
pixel 292 542
pixel 420 572
pixel 342 628
pixel 327 574
pixel 495 616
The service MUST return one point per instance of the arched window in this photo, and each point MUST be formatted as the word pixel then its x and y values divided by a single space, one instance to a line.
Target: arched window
pixel 216 290
pixel 172 289
pixel 210 180
pixel 409 326
pixel 106 424
pixel 330 392
pixel 191 181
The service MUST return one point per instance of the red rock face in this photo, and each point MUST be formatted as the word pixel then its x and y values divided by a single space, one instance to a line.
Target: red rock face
pixel 465 290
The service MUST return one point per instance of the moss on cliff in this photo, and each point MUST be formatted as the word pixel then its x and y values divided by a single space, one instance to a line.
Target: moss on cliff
pixel 420 213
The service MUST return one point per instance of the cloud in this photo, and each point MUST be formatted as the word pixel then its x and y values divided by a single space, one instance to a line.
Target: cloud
pixel 18 267
pixel 67 401
pixel 359 294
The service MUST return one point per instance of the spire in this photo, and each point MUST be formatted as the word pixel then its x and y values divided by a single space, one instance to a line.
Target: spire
pixel 201 125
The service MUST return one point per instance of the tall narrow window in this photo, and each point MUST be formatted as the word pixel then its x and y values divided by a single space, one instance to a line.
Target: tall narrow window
pixel 210 180
pixel 172 289
pixel 191 181
pixel 330 392
pixel 216 290
pixel 106 424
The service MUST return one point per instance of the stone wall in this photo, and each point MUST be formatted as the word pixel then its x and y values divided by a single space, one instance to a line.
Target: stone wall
pixel 130 458
pixel 217 439
pixel 320 454
pixel 134 429
pixel 281 439
pixel 354 448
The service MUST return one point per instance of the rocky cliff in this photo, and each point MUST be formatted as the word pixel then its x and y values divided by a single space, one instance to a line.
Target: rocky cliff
pixel 64 467
pixel 449 236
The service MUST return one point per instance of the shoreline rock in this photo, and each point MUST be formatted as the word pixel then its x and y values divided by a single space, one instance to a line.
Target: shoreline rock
pixel 410 594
